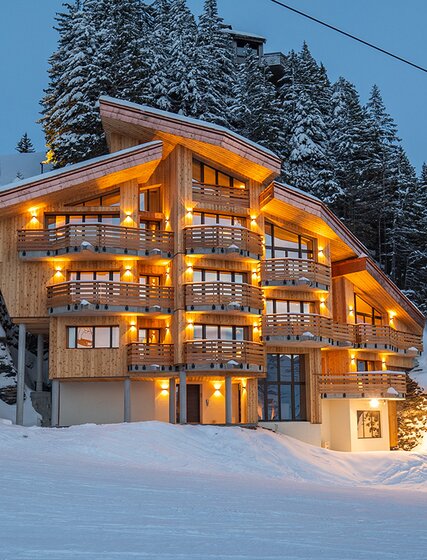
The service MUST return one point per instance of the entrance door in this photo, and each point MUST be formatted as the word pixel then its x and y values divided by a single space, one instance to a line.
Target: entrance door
pixel 193 404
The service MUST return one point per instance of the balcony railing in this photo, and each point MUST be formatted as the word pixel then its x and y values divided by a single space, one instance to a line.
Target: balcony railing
pixel 226 355
pixel 386 338
pixel 150 357
pixel 221 240
pixel 302 273
pixel 306 327
pixel 223 296
pixel 108 296
pixel 223 196
pixel 98 238
pixel 372 384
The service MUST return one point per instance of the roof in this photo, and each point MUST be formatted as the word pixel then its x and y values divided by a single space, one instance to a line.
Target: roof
pixel 212 141
pixel 245 35
pixel 98 173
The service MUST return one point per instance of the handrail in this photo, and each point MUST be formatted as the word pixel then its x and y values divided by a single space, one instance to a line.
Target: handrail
pixel 229 353
pixel 217 194
pixel 280 271
pixel 96 235
pixel 223 293
pixel 389 384
pixel 306 326
pixel 109 293
pixel 222 238
pixel 384 335
pixel 149 354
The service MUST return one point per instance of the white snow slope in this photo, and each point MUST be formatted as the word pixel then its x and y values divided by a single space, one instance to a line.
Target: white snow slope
pixel 156 491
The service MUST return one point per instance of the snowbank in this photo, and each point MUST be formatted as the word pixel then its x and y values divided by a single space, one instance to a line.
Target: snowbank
pixel 211 450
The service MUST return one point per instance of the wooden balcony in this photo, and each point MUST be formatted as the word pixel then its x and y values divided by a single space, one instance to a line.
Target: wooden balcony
pixel 299 274
pixel 227 197
pixel 223 296
pixel 232 356
pixel 386 338
pixel 367 384
pixel 153 358
pixel 306 329
pixel 83 240
pixel 233 242
pixel 87 297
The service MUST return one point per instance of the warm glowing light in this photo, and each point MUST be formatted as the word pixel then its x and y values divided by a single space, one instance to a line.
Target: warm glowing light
pixel 164 385
pixel 350 310
pixel 322 301
pixel 190 322
pixel 33 212
pixel 352 358
pixel 374 403
pixel 217 385
pixel 320 251
pixel 189 268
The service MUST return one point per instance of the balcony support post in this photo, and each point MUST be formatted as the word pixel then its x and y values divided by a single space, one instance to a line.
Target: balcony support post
pixel 126 400
pixel 54 420
pixel 172 400
pixel 182 397
pixel 39 368
pixel 228 400
pixel 20 381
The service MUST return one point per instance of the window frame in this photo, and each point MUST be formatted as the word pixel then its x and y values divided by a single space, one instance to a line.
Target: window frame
pixel 279 383
pixel 69 215
pixel 302 253
pixel 371 413
pixel 219 327
pixel 218 272
pixel 74 328
pixel 242 219
pixel 288 302
pixel 147 191
pixel 231 178
pixel 101 197
pixel 375 315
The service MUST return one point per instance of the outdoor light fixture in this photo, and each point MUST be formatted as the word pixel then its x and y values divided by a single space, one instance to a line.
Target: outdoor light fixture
pixel 374 403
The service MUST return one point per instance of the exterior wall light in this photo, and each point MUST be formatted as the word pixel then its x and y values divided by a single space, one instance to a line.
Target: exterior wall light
pixel 374 403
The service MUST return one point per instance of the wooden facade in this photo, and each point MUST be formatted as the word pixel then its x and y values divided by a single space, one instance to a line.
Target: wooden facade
pixel 166 277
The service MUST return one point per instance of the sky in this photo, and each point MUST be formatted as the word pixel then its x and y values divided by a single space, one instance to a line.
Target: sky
pixel 27 39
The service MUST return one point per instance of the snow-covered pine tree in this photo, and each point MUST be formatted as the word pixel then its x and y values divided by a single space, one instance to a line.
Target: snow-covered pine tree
pixel 216 67
pixel 411 416
pixel 160 79
pixel 183 65
pixel 25 146
pixel 255 111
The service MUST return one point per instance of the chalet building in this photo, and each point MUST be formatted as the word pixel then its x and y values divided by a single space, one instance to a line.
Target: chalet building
pixel 176 280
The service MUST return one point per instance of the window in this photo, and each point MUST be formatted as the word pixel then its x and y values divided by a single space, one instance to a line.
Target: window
pixel 280 243
pixel 149 280
pixel 288 306
pixel 368 424
pixel 93 337
pixel 55 221
pixel 203 275
pixel 207 175
pixel 282 395
pixel 111 198
pixel 149 200
pixel 365 313
pixel 150 225
pixel 219 332
pixel 96 275
pixel 203 218
pixel 365 365
pixel 149 336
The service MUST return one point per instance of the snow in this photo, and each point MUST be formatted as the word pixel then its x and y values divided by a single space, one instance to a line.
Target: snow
pixel 419 373
pixel 26 164
pixel 161 492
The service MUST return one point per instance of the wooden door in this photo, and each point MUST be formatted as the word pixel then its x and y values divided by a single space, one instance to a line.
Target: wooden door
pixel 193 404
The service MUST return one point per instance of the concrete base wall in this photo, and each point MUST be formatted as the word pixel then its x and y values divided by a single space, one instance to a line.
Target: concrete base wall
pixel 304 431
pixel 339 427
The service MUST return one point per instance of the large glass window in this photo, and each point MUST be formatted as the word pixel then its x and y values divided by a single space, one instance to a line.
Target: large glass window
pixel 151 225
pixel 280 243
pixel 282 395
pixel 288 306
pixel 149 200
pixel 207 219
pixel 149 280
pixel 93 337
pixel 95 275
pixel 219 332
pixel 365 365
pixel 59 220
pixel 365 313
pixel 203 275
pixel 368 424
pixel 111 198
pixel 207 175
pixel 149 336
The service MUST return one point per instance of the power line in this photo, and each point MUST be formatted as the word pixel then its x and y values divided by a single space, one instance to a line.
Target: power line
pixel 388 53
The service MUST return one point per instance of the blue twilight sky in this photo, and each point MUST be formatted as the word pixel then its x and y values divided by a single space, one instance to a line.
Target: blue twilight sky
pixel 27 39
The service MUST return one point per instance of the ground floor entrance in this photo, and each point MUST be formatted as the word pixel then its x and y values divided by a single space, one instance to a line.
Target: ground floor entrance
pixel 193 403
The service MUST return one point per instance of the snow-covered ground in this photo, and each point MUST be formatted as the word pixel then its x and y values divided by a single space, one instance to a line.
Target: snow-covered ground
pixel 157 491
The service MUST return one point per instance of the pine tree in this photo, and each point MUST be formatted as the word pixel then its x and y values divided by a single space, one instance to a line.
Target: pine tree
pixel 216 67
pixel 411 416
pixel 25 146
pixel 255 111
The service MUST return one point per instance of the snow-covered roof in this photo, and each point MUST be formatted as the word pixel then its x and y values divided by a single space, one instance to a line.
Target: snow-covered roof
pixel 15 167
pixel 247 34
pixel 299 191
pixel 188 120
pixel 69 168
